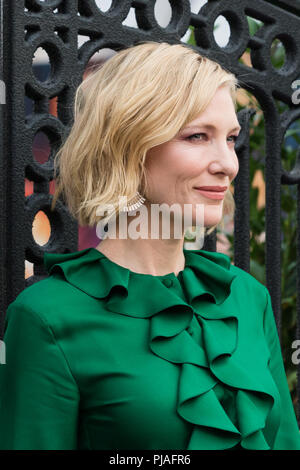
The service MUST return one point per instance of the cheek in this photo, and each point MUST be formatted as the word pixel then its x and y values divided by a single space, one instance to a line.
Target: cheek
pixel 156 158
pixel 188 161
pixel 162 164
pixel 158 177
pixel 171 162
pixel 237 166
pixel 191 167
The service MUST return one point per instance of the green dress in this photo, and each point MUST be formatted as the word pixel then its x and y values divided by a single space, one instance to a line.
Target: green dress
pixel 101 357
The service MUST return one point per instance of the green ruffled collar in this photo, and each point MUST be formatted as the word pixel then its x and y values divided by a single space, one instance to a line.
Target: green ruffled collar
pixel 92 272
pixel 219 363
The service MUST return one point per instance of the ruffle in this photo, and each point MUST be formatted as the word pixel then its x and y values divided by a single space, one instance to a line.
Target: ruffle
pixel 214 370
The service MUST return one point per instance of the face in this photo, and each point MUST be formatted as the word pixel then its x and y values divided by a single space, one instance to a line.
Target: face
pixel 201 154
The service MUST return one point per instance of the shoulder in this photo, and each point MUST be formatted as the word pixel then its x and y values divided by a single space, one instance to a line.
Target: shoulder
pixel 51 300
pixel 77 285
pixel 242 278
pixel 248 287
pixel 245 277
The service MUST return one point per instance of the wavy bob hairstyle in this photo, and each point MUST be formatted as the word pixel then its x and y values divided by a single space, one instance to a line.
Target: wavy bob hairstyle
pixel 139 98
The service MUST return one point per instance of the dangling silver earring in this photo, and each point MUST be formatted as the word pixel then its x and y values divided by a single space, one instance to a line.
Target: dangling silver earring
pixel 138 201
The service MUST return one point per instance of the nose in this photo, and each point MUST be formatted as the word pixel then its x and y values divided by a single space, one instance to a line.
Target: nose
pixel 224 160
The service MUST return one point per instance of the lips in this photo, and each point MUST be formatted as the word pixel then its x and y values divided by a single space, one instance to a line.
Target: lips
pixel 218 193
pixel 212 188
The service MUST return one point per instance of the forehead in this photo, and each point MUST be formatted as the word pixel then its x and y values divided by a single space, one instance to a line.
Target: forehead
pixel 221 107
pixel 216 117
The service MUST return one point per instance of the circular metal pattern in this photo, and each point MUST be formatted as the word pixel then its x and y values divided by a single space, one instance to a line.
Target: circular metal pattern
pixel 261 57
pixel 55 48
pixel 61 224
pixel 118 9
pixel 145 17
pixel 38 5
pixel 239 33
pixel 54 129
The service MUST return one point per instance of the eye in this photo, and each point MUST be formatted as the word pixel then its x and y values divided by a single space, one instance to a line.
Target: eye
pixel 191 137
pixel 234 138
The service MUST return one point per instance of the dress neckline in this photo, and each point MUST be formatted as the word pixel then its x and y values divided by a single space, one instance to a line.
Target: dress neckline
pixel 162 276
pixel 95 274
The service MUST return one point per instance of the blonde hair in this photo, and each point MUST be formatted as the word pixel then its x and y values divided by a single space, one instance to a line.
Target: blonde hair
pixel 139 98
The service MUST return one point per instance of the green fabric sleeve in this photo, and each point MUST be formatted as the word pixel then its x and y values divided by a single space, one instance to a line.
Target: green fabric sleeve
pixel 288 436
pixel 38 394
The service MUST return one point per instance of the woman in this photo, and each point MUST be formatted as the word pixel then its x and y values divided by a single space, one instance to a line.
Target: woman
pixel 140 343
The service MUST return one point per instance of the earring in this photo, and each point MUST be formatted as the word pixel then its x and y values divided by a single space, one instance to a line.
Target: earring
pixel 138 201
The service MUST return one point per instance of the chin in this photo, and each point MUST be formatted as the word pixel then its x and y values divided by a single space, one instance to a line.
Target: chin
pixel 209 222
pixel 211 216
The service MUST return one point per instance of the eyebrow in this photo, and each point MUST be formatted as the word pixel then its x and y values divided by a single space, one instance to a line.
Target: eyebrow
pixel 210 126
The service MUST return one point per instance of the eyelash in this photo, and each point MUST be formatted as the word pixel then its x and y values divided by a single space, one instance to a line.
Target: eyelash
pixel 203 133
